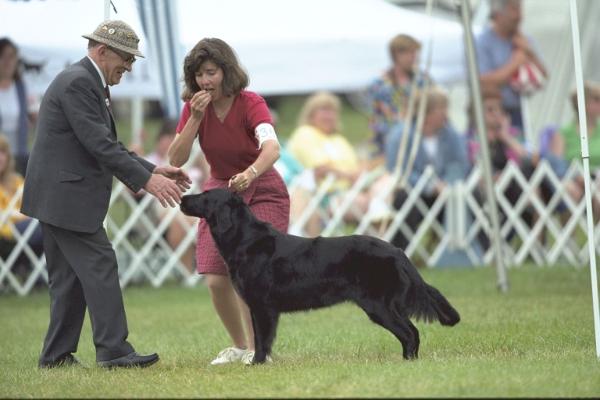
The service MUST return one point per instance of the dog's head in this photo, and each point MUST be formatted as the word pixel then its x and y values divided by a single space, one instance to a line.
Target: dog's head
pixel 214 205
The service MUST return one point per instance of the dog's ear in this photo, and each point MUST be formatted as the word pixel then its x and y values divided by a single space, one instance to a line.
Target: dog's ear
pixel 223 217
pixel 235 200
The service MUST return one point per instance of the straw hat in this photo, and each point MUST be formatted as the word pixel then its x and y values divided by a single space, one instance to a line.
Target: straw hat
pixel 118 35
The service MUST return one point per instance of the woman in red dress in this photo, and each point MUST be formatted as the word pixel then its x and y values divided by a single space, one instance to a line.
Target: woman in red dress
pixel 235 132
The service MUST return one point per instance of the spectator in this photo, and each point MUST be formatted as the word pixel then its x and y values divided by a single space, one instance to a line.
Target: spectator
pixel 502 49
pixel 299 181
pixel 181 224
pixel 503 138
pixel 319 146
pixel 16 107
pixel 390 93
pixel 301 185
pixel 565 144
pixel 288 167
pixel 198 172
pixel 440 146
pixel 11 182
pixel 317 142
pixel 504 146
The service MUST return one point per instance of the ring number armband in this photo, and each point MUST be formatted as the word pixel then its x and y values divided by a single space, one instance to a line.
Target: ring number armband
pixel 264 132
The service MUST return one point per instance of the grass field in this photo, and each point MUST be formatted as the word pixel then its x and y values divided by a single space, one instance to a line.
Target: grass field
pixel 535 341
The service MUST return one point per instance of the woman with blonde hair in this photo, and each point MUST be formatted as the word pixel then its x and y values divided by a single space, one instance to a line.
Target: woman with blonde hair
pixel 318 144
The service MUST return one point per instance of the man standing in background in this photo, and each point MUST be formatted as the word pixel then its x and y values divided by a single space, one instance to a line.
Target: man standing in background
pixel 502 49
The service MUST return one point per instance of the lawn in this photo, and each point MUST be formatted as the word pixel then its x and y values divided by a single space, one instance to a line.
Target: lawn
pixel 535 341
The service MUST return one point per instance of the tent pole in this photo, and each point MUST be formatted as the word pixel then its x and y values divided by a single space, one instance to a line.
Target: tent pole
pixel 585 156
pixel 137 121
pixel 408 119
pixel 484 148
pixel 106 9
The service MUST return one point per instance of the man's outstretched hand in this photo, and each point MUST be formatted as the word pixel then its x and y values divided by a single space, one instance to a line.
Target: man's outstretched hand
pixel 178 175
pixel 167 191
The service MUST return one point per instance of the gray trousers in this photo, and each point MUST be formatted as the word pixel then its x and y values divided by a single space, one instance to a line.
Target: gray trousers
pixel 83 271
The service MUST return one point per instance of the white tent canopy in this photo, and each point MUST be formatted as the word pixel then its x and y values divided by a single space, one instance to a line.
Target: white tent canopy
pixel 49 32
pixel 307 45
pixel 287 47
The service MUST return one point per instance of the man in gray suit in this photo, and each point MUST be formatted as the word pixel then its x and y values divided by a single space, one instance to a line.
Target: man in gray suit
pixel 68 186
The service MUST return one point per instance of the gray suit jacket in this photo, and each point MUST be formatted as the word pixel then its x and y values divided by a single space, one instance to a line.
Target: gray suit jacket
pixel 76 154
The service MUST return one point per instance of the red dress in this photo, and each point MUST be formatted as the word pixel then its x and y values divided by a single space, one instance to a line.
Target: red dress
pixel 230 147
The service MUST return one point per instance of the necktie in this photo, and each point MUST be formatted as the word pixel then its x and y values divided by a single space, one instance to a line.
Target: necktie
pixel 108 105
pixel 108 102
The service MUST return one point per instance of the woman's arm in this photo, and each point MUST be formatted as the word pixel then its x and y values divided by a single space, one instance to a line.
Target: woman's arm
pixel 521 42
pixel 557 144
pixel 268 155
pixel 180 148
pixel 501 75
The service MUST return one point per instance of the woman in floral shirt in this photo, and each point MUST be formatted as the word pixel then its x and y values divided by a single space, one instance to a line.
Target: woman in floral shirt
pixel 389 93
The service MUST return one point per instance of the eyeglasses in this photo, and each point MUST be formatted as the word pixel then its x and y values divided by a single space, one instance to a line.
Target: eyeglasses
pixel 126 57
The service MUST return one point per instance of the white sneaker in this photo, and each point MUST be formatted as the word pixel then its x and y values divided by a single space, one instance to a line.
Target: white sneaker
pixel 229 355
pixel 247 358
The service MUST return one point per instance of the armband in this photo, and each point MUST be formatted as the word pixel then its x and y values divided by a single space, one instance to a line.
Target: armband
pixel 264 132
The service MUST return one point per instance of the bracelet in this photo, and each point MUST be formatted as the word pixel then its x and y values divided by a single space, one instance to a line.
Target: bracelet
pixel 253 169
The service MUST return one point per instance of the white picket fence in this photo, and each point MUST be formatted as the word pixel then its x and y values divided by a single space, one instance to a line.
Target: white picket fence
pixel 557 234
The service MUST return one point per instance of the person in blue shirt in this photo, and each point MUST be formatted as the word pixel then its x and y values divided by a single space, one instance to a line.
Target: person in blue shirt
pixel 440 146
pixel 502 49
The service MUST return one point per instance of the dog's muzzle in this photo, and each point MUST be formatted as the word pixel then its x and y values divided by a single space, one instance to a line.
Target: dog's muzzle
pixel 190 205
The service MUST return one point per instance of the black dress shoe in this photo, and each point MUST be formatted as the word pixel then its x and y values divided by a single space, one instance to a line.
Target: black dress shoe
pixel 132 359
pixel 65 361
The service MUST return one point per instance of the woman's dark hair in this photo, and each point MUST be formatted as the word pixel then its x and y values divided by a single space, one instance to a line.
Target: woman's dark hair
pixel 6 43
pixel 216 50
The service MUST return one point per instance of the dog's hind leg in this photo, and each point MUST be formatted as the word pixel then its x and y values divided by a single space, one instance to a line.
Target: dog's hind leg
pixel 415 332
pixel 402 328
pixel 265 326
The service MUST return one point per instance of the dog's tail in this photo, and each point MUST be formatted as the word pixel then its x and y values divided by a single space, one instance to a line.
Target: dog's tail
pixel 431 305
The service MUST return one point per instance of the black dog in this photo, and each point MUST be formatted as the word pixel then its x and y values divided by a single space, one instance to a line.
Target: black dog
pixel 274 272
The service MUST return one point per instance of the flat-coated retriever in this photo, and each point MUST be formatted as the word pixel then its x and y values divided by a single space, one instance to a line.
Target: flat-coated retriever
pixel 274 272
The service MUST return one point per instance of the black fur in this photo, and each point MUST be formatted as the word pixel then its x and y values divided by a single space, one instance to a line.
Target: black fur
pixel 275 272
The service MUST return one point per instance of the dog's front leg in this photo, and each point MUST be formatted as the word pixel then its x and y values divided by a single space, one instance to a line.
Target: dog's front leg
pixel 264 323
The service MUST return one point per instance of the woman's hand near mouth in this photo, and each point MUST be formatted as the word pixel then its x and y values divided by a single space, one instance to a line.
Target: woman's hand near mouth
pixel 199 102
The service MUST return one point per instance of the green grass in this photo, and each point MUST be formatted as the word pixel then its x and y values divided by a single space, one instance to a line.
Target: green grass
pixel 535 341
